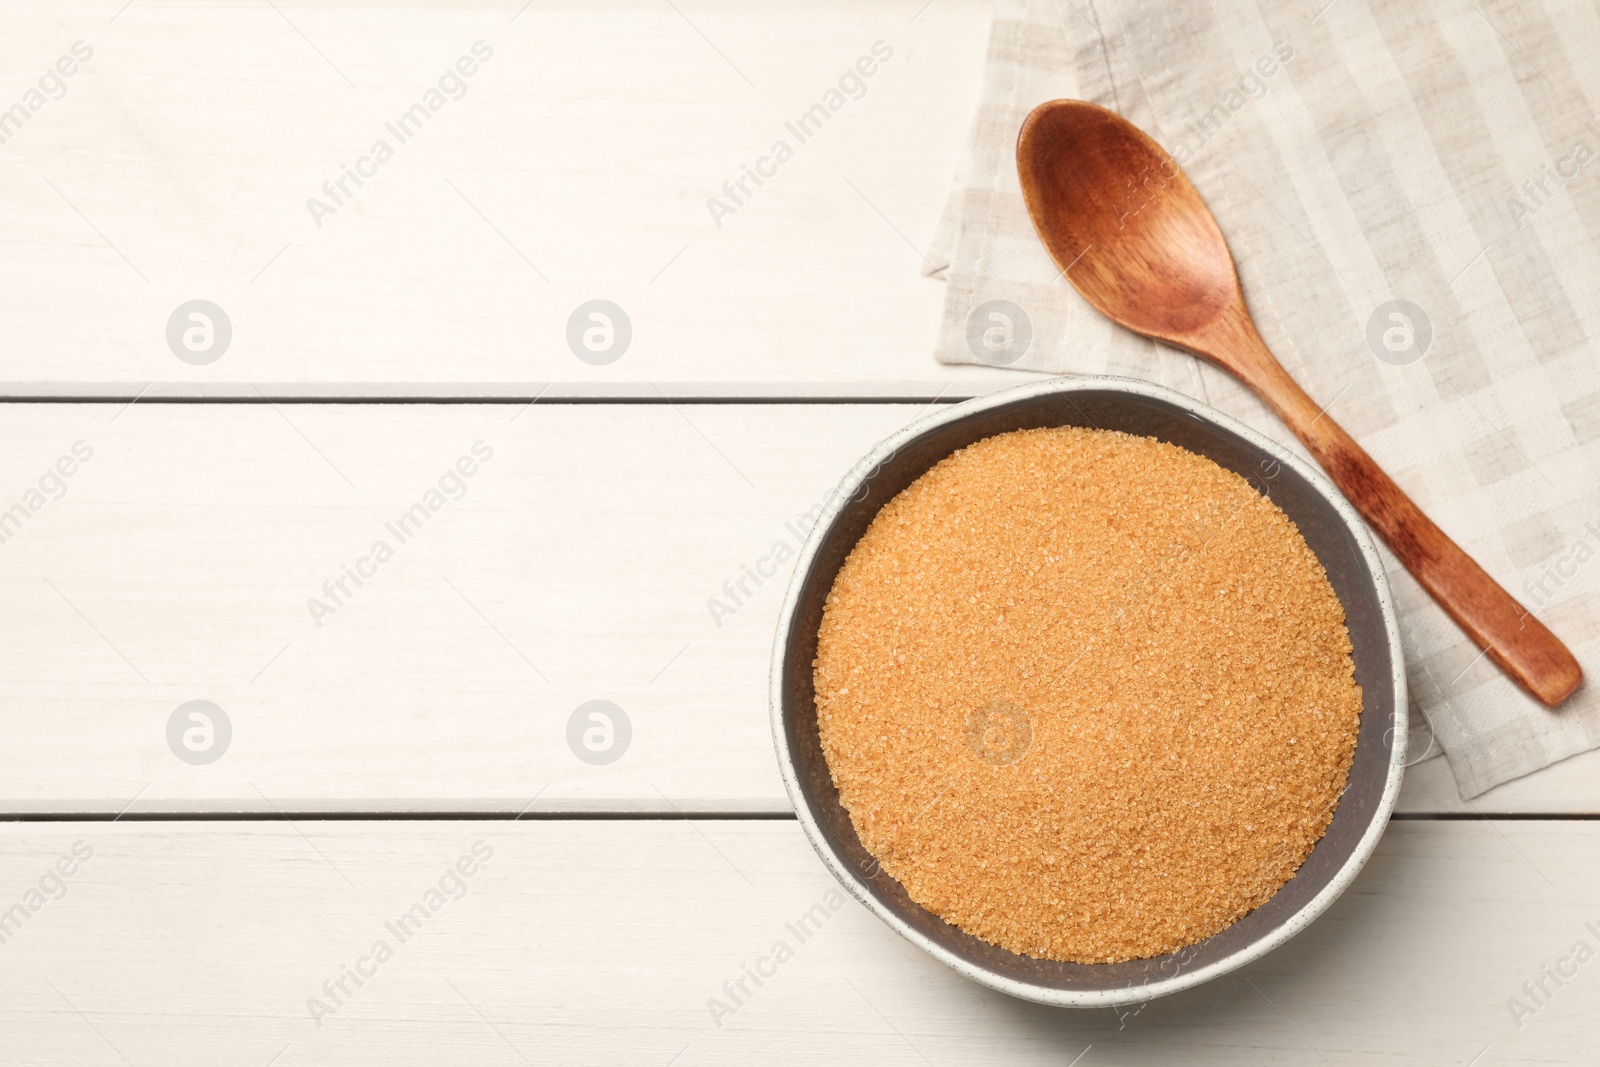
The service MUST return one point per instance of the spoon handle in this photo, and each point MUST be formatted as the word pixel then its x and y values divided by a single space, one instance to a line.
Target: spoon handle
pixel 1507 631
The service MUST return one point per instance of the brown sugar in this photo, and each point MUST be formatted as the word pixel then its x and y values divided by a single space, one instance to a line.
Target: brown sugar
pixel 1086 695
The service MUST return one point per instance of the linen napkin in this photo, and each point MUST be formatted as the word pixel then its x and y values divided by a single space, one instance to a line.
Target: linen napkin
pixel 1412 194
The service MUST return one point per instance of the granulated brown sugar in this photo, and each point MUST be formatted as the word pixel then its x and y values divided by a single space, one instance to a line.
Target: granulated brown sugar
pixel 1086 695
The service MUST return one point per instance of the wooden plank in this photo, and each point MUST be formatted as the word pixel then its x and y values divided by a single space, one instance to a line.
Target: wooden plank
pixel 602 942
pixel 187 558
pixel 1571 787
pixel 579 164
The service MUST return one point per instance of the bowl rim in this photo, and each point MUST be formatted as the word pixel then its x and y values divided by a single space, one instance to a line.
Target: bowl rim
pixel 843 872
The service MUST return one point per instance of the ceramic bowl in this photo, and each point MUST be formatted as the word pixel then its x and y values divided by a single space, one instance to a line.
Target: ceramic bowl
pixel 1331 528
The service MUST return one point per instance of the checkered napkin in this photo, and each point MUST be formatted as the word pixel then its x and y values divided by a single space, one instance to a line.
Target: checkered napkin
pixel 1412 193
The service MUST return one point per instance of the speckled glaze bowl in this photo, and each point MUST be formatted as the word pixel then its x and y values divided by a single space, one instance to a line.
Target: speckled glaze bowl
pixel 1331 528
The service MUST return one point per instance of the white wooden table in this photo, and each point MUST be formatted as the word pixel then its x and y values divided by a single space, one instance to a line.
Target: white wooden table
pixel 415 726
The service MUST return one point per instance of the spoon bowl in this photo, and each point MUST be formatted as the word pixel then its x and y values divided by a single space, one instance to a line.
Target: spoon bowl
pixel 1100 184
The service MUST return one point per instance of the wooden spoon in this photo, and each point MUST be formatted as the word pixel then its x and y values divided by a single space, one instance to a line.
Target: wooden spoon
pixel 1133 236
